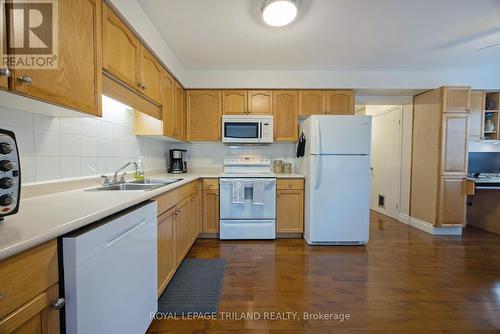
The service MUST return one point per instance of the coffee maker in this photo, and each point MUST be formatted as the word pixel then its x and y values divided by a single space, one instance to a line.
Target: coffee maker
pixel 177 163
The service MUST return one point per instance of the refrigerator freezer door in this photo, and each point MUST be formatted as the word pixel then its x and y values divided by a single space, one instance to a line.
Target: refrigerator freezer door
pixel 338 200
pixel 339 134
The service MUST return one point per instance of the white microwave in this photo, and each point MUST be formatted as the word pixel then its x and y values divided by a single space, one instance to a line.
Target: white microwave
pixel 247 129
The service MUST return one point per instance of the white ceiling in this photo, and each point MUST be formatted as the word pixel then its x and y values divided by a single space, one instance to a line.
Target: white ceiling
pixel 333 35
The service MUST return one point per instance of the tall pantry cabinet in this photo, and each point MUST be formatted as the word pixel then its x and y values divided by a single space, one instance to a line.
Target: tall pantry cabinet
pixel 439 156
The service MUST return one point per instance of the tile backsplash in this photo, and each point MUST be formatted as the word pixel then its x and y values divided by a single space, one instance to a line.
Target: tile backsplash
pixel 60 148
pixel 212 154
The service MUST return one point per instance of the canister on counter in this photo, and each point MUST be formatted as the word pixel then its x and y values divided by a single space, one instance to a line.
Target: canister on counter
pixel 278 166
pixel 287 167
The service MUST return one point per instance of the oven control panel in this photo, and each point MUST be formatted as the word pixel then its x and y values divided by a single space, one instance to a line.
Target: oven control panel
pixel 10 174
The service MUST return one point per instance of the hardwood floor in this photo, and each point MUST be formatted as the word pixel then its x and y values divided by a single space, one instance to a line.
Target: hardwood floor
pixel 403 281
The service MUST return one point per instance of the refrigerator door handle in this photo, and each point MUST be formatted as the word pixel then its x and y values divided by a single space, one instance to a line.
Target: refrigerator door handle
pixel 317 172
pixel 316 140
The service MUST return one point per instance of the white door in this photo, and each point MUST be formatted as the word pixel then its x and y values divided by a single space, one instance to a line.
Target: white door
pixel 339 199
pixel 386 162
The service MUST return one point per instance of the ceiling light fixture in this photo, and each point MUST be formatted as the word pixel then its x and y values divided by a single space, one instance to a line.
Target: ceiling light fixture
pixel 279 13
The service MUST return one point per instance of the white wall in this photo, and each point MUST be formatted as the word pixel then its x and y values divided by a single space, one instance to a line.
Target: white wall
pixel 58 148
pixel 135 15
pixel 406 136
pixel 407 127
pixel 342 79
pixel 484 146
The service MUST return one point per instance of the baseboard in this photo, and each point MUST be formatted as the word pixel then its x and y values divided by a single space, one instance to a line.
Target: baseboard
pixel 420 224
pixel 404 218
pixel 434 230
pixel 208 236
pixel 288 235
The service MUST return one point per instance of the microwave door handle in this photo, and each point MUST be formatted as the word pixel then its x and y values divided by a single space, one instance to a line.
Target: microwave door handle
pixel 260 130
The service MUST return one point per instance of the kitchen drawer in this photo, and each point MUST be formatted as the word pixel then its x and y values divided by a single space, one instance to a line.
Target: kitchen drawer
pixel 26 275
pixel 282 184
pixel 210 183
pixel 171 198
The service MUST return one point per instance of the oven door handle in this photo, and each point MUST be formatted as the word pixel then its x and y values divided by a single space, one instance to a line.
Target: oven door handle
pixel 230 180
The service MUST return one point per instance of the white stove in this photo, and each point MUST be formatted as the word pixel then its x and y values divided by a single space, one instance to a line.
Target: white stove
pixel 247 198
pixel 248 165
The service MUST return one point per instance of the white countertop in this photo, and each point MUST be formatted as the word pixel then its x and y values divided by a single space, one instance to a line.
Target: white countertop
pixel 47 217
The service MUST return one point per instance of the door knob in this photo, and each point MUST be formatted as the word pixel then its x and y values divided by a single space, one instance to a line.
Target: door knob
pixel 5 72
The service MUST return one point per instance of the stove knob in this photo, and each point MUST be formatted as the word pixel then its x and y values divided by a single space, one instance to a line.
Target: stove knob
pixel 5 148
pixel 6 200
pixel 6 182
pixel 6 165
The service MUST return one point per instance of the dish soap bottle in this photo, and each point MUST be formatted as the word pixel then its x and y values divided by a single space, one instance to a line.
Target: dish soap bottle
pixel 139 172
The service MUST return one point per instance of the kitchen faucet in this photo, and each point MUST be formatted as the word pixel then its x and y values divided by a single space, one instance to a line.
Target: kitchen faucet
pixel 105 179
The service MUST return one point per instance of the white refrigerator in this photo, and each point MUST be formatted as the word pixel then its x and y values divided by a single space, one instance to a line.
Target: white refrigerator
pixel 336 165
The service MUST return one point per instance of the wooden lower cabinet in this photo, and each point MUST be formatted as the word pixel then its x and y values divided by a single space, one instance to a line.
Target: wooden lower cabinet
pixel 290 206
pixel 210 211
pixel 28 289
pixel 166 251
pixel 181 230
pixel 178 227
pixel 36 316
pixel 452 201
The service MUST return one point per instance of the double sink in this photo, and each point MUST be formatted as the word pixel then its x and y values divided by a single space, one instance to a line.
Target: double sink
pixel 145 184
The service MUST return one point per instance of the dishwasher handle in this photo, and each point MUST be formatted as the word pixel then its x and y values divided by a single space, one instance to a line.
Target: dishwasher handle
pixel 124 233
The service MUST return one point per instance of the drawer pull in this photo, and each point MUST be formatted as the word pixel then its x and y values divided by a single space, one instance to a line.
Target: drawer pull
pixel 58 304
pixel 26 79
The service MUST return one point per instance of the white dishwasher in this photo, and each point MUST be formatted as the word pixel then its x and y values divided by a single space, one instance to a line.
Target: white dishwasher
pixel 110 274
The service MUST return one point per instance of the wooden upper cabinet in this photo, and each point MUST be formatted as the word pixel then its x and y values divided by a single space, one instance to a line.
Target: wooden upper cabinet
pixel 234 102
pixel 180 112
pixel 151 71
pixel 340 102
pixel 456 99
pixel 76 83
pixel 312 102
pixel 454 144
pixel 476 115
pixel 167 102
pixel 260 102
pixel 204 111
pixel 285 111
pixel 4 71
pixel 121 49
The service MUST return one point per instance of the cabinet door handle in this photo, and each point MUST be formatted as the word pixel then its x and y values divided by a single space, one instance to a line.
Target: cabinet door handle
pixel 26 79
pixel 141 86
pixel 5 72
pixel 58 304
